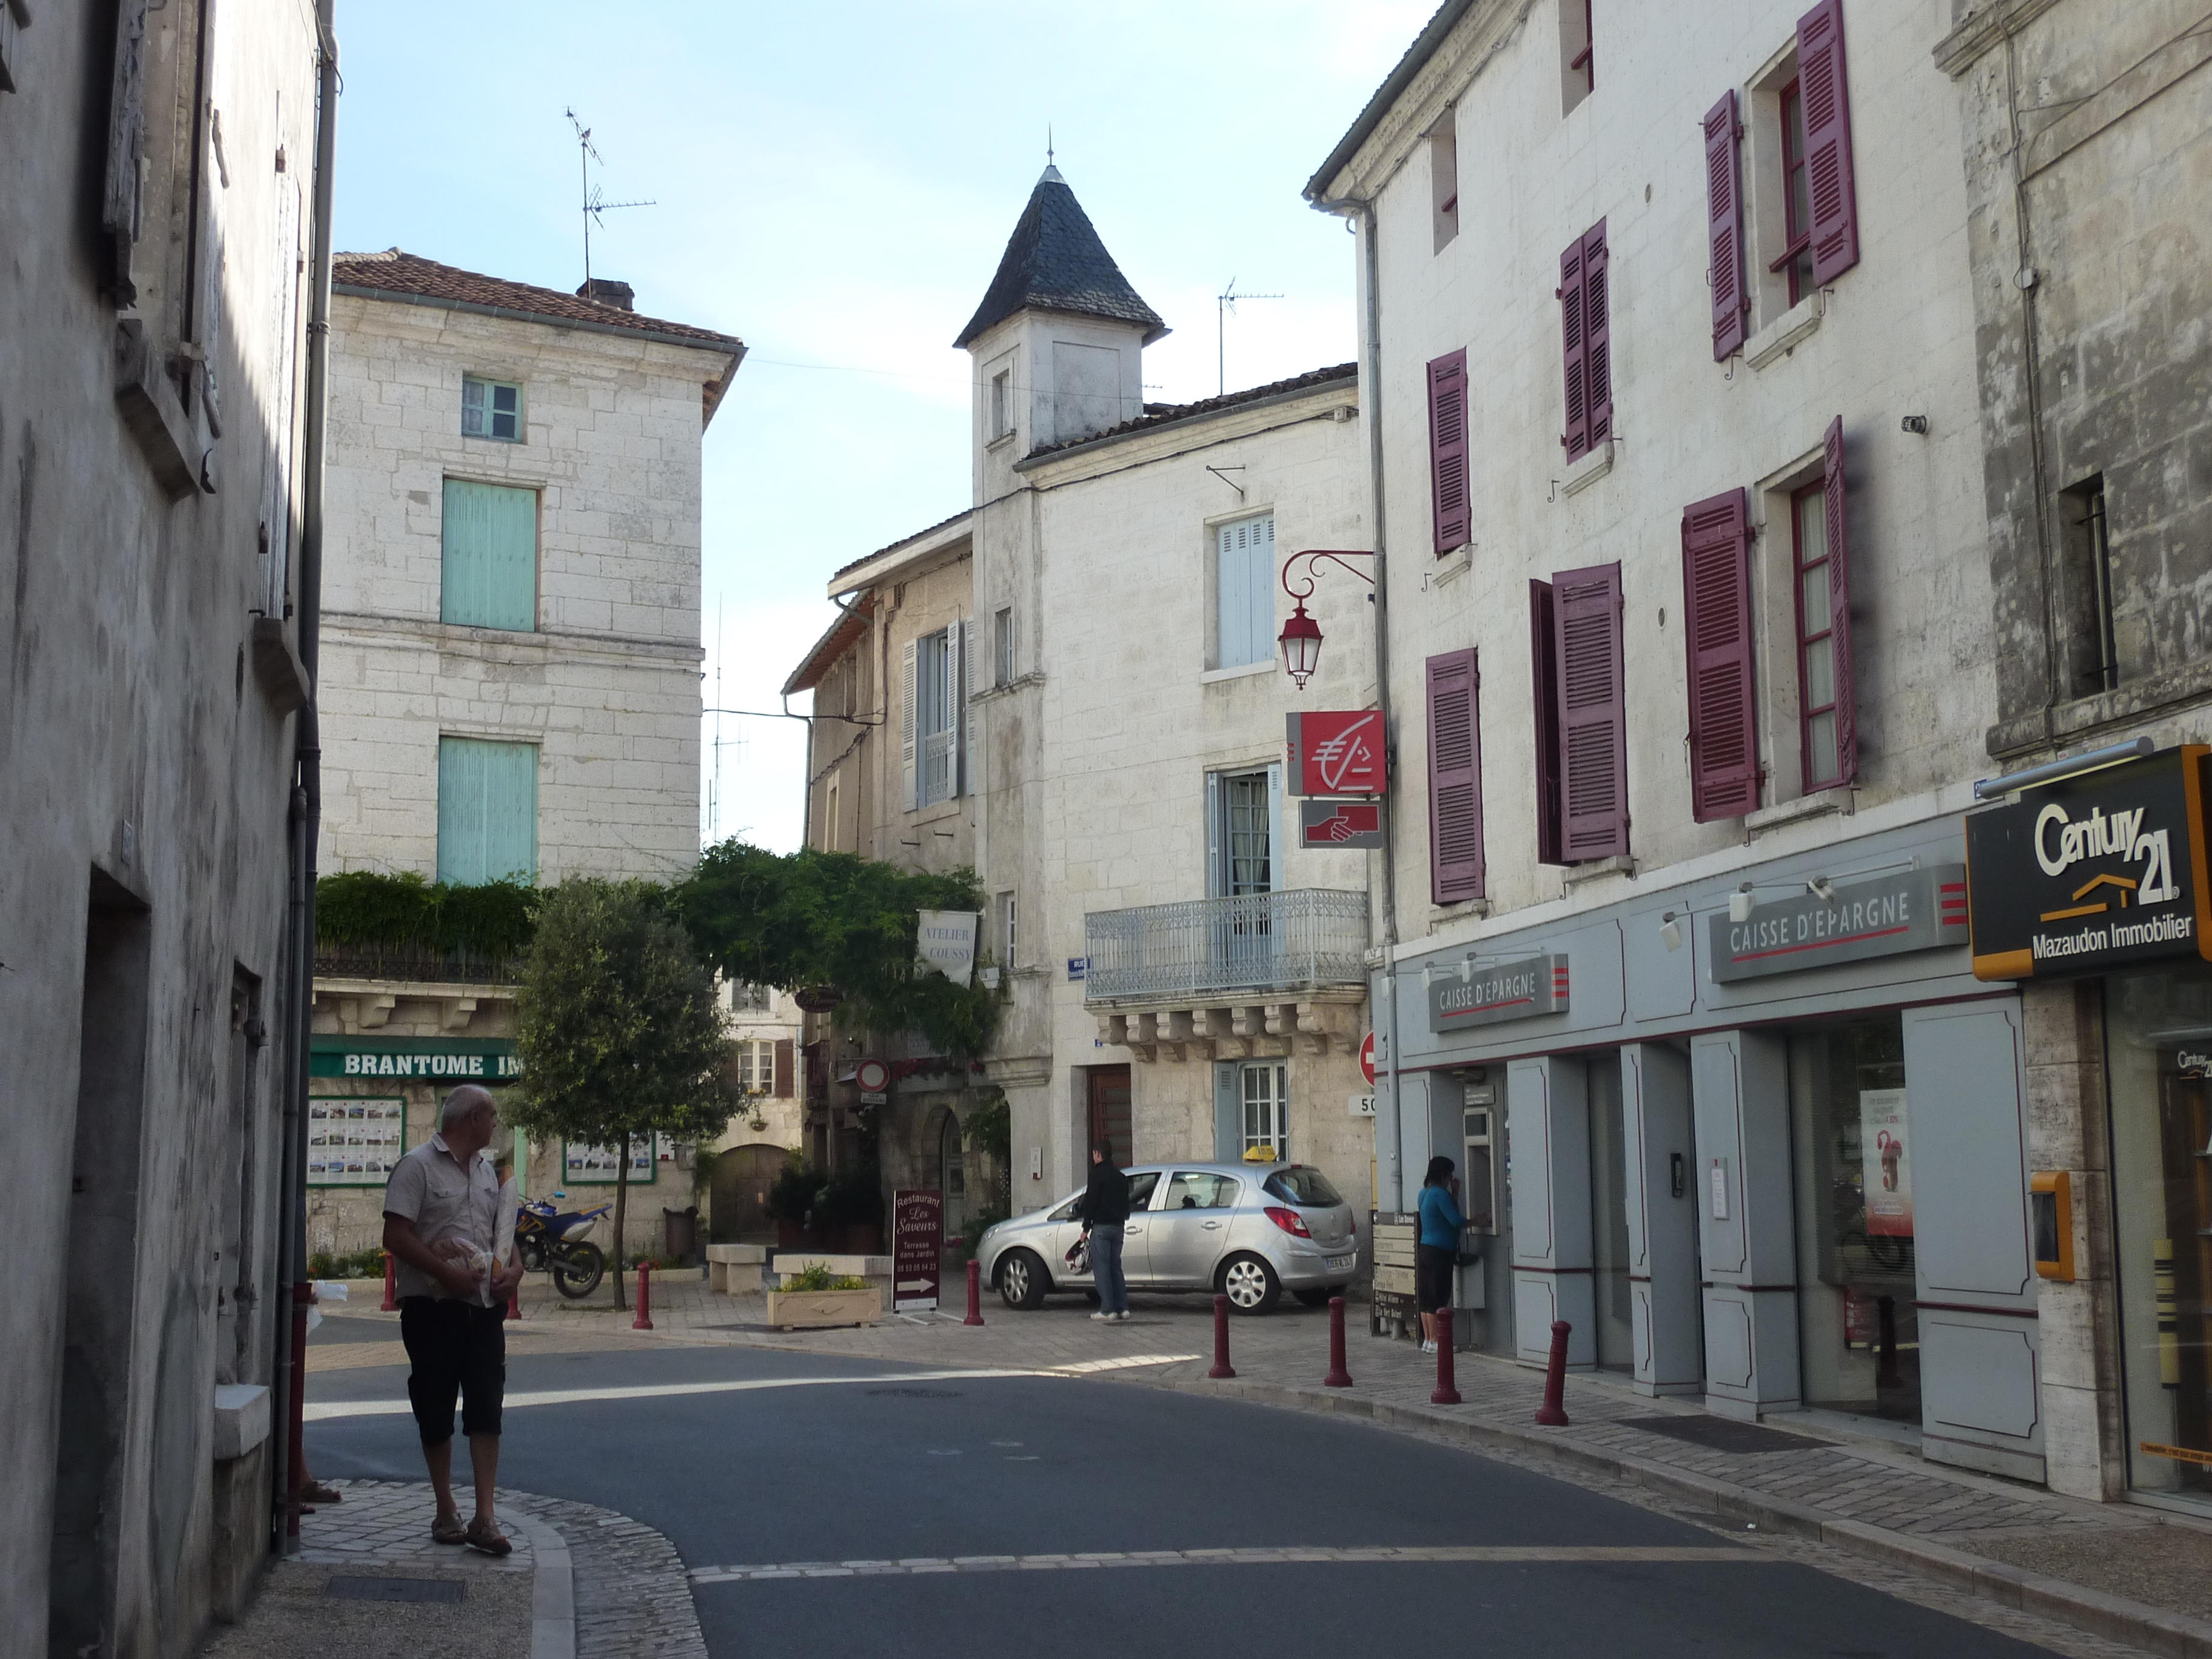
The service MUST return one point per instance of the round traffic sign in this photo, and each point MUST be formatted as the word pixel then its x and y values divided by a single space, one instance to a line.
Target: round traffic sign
pixel 874 1076
pixel 1367 1060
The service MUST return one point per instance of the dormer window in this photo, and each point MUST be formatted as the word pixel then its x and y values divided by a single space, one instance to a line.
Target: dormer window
pixel 491 409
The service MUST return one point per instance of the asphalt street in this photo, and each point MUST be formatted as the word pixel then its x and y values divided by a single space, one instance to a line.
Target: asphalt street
pixel 816 1460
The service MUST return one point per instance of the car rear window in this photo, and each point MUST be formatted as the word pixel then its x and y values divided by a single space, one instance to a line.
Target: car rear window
pixel 1299 1185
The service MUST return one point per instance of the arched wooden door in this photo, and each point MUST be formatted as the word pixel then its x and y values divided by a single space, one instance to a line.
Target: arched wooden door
pixel 742 1176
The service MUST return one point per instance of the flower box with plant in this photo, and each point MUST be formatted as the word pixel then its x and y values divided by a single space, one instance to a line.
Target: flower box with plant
pixel 816 1297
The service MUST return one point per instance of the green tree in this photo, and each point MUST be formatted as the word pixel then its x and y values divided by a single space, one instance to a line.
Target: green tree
pixel 616 1029
pixel 812 917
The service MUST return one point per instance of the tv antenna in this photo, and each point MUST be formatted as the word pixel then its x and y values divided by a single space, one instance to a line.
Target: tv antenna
pixel 1225 308
pixel 593 204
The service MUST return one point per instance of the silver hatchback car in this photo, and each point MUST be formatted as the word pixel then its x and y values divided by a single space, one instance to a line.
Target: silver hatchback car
pixel 1248 1231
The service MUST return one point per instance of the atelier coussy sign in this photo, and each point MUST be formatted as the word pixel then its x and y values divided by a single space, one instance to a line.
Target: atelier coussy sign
pixel 1910 910
pixel 2100 872
pixel 1510 990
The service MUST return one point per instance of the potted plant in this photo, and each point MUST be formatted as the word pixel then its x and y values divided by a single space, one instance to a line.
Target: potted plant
pixel 816 1298
pixel 790 1200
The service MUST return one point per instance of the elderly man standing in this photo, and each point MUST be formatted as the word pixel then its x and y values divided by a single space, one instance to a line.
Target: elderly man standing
pixel 441 1223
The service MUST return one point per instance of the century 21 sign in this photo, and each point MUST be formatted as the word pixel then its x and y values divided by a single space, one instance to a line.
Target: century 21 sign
pixel 2100 872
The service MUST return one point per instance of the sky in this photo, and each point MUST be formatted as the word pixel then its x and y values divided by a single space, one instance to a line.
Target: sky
pixel 834 185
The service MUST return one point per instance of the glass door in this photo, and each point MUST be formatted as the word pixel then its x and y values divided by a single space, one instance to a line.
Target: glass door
pixel 1616 1317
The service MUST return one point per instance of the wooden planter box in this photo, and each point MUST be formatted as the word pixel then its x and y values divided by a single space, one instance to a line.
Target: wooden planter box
pixel 814 1309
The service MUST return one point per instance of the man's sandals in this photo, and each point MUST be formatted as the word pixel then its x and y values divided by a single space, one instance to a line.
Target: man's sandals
pixel 478 1534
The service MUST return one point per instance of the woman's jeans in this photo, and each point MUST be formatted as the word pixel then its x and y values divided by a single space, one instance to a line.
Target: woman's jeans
pixel 1106 1268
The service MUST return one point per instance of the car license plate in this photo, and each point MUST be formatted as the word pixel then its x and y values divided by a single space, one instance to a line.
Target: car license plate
pixel 1343 1264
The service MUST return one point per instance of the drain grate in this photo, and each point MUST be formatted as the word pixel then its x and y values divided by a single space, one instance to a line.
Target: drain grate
pixel 920 1394
pixel 1722 1434
pixel 352 1587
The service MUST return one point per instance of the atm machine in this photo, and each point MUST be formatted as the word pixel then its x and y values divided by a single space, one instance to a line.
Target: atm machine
pixel 1487 1284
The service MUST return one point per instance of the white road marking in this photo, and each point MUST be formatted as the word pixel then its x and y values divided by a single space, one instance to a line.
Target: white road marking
pixel 318 1411
pixel 1359 1555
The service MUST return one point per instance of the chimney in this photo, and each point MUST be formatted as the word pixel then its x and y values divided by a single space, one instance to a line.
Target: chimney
pixel 606 291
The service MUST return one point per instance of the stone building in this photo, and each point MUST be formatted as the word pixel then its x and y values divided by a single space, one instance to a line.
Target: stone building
pixel 1179 972
pixel 158 222
pixel 1687 601
pixel 510 670
pixel 2088 154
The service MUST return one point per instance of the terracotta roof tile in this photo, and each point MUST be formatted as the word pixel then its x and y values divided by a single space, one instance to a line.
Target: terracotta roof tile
pixel 1165 414
pixel 394 271
pixel 927 529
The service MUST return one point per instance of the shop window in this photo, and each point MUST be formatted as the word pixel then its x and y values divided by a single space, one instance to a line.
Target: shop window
pixel 1265 1121
pixel 1859 1336
pixel 2159 1060
pixel 488 551
pixel 491 409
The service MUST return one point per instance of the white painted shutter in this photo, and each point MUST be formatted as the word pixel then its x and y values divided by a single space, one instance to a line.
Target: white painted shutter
pixel 1216 866
pixel 970 720
pixel 905 727
pixel 1276 844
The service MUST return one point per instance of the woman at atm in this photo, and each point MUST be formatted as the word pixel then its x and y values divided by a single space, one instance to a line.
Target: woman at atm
pixel 1437 1247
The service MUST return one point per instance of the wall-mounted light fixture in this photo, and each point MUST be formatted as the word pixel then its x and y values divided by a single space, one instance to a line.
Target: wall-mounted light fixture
pixel 2073 766
pixel 1821 888
pixel 1670 929
pixel 1740 903
pixel 1301 635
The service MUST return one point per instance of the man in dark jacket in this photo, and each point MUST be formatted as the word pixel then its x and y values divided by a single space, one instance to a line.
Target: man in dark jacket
pixel 1105 1209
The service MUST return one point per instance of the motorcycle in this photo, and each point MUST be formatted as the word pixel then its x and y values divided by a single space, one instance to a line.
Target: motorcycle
pixel 543 1242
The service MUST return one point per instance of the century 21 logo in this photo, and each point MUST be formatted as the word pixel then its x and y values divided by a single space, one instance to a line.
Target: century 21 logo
pixel 2061 842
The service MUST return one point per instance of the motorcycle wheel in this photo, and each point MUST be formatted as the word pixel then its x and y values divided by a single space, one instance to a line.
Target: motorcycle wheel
pixel 578 1269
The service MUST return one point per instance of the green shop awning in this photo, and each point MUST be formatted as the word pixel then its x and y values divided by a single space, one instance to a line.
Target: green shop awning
pixel 456 1059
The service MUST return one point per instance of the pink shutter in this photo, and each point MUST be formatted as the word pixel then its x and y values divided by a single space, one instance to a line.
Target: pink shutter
pixel 1597 333
pixel 1716 606
pixel 1724 229
pixel 1840 604
pixel 1577 435
pixel 1593 714
pixel 1448 450
pixel 1825 89
pixel 784 1055
pixel 1456 872
pixel 1544 703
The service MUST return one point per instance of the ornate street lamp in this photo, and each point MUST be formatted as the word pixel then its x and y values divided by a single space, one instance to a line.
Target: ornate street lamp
pixel 1301 635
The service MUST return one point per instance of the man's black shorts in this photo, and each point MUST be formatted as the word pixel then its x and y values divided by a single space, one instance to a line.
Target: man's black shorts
pixel 455 1348
pixel 1432 1272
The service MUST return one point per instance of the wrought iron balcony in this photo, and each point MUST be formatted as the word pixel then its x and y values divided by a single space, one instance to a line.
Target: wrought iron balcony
pixel 1307 939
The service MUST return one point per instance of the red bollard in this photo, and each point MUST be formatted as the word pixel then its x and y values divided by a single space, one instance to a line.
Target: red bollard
pixel 974 1292
pixel 1553 1413
pixel 390 1286
pixel 644 1319
pixel 1221 1365
pixel 1338 1377
pixel 1446 1392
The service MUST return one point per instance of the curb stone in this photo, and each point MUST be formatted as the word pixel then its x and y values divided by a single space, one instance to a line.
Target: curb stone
pixel 552 1591
pixel 2173 1635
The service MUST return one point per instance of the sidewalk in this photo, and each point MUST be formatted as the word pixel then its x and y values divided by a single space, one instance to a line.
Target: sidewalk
pixel 2121 1571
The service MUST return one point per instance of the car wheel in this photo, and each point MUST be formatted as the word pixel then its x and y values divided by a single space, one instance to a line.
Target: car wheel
pixel 1319 1297
pixel 1249 1284
pixel 1023 1281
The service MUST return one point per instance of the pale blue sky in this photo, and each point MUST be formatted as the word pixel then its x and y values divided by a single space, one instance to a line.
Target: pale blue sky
pixel 835 185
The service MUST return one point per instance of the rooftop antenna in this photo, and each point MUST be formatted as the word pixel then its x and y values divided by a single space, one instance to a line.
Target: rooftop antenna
pixel 1225 308
pixel 593 206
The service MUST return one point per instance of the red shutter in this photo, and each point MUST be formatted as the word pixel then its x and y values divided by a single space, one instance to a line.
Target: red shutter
pixel 1456 872
pixel 1592 713
pixel 1448 450
pixel 1825 89
pixel 1839 602
pixel 783 1057
pixel 1544 703
pixel 1597 332
pixel 1717 615
pixel 1577 435
pixel 1724 229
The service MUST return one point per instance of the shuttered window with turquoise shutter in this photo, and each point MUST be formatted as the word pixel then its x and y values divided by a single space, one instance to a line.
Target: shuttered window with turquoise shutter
pixel 487 811
pixel 490 576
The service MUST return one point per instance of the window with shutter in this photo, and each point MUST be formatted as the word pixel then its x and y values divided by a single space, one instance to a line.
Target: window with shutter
pixel 1544 704
pixel 1827 695
pixel 1724 228
pixel 1716 617
pixel 1827 118
pixel 1245 591
pixel 971 720
pixel 1456 860
pixel 1447 450
pixel 1592 713
pixel 487 811
pixel 908 779
pixel 785 1068
pixel 1586 330
pixel 489 577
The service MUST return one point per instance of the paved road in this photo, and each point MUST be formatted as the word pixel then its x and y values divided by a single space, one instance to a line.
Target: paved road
pixel 886 1462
